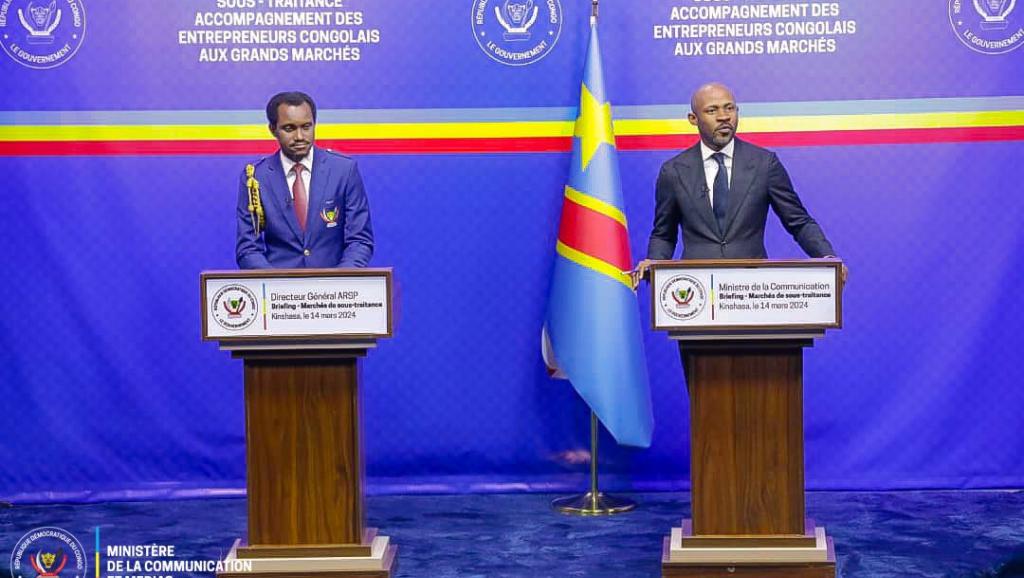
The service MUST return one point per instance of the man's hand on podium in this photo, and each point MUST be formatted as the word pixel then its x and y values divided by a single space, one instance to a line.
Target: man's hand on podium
pixel 842 274
pixel 639 273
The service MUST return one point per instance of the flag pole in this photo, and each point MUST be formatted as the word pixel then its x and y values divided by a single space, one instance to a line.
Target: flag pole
pixel 594 502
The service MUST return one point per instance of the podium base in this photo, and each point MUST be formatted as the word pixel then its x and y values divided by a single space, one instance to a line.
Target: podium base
pixel 379 564
pixel 729 561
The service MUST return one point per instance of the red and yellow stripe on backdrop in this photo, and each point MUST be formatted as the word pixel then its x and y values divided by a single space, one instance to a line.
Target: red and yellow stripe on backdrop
pixel 507 136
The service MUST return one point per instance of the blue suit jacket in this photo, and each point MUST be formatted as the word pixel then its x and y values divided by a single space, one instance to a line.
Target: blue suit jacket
pixel 759 181
pixel 338 231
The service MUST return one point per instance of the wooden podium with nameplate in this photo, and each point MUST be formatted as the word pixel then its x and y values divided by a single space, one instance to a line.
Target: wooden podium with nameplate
pixel 300 334
pixel 742 327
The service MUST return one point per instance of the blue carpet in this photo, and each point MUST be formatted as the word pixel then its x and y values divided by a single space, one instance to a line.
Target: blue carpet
pixel 877 534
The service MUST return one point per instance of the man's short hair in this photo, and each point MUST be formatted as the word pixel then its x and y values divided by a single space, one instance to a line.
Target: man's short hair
pixel 292 98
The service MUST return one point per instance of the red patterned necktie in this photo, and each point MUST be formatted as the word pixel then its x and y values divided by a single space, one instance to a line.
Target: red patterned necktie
pixel 299 196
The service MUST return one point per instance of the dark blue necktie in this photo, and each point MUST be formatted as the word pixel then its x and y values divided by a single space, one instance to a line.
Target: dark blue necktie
pixel 721 191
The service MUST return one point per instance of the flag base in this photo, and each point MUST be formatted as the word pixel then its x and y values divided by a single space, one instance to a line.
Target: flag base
pixel 593 504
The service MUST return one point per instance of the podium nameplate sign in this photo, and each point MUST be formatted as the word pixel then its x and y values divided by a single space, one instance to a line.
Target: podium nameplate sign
pixel 352 303
pixel 761 296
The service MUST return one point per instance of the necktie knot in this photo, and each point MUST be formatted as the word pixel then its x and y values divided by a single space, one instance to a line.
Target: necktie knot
pixel 297 169
pixel 719 158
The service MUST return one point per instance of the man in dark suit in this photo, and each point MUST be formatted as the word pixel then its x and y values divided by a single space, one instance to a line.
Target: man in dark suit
pixel 719 190
pixel 302 206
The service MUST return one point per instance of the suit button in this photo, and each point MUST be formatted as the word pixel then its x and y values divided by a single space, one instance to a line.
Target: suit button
pixel 306 252
pixel 723 243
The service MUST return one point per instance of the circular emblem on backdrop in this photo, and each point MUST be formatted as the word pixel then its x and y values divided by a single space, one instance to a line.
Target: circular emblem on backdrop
pixel 683 297
pixel 517 32
pixel 48 552
pixel 988 26
pixel 41 33
pixel 234 307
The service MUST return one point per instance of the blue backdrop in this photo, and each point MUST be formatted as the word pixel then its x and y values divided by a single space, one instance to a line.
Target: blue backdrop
pixel 109 393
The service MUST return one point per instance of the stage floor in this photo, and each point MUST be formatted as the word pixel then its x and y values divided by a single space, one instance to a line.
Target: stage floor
pixel 877 534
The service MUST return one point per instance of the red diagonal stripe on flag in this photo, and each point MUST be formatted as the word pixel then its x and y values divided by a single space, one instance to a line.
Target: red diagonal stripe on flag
pixel 597 235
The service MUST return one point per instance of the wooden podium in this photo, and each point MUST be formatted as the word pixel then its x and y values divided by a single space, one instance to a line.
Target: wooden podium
pixel 300 334
pixel 742 327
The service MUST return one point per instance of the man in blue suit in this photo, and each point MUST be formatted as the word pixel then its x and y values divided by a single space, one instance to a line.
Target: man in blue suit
pixel 303 206
pixel 717 193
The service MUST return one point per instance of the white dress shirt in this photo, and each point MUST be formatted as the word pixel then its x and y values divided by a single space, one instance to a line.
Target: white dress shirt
pixel 711 167
pixel 307 175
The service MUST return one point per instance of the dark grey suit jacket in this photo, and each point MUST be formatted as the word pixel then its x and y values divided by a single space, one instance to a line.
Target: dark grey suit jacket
pixel 758 180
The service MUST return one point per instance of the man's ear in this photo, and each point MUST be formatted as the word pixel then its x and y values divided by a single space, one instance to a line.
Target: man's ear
pixel 692 118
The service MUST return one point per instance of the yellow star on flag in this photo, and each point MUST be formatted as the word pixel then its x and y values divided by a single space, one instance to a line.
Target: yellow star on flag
pixel 593 126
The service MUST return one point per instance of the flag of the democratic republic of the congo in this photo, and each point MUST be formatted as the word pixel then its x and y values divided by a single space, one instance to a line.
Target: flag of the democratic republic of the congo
pixel 592 327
